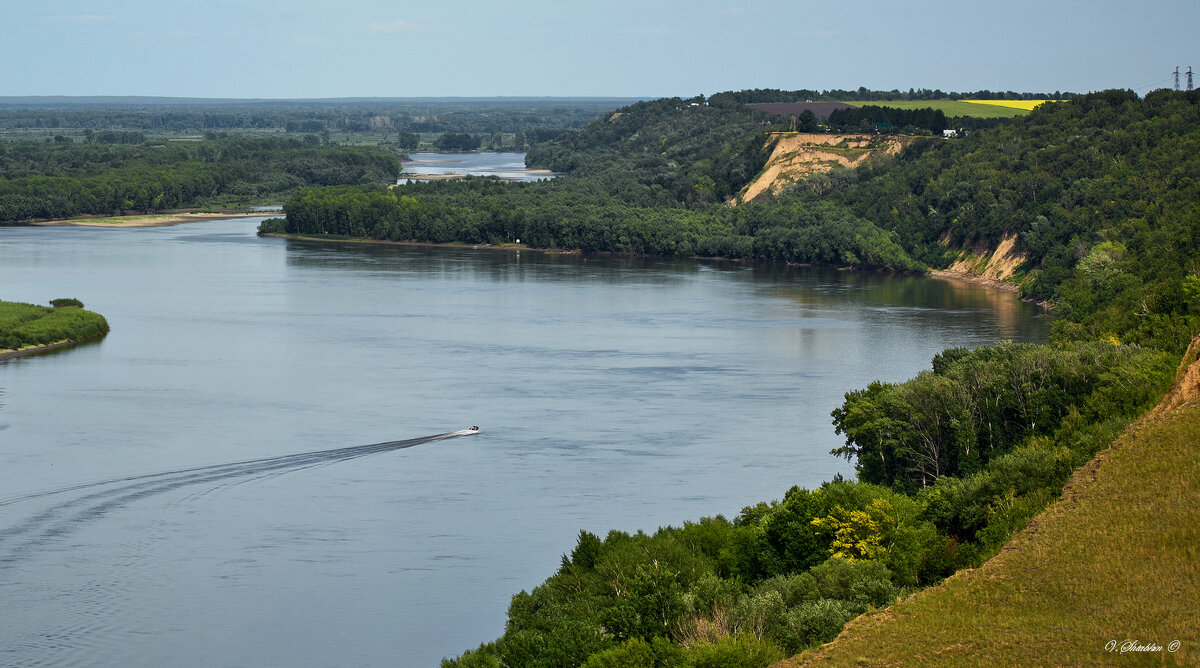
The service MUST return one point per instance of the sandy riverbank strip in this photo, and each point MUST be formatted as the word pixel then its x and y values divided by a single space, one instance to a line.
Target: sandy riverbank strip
pixel 432 177
pixel 988 282
pixel 8 353
pixel 974 278
pixel 153 220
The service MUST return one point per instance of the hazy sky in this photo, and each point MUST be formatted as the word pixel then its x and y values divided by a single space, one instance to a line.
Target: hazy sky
pixel 336 48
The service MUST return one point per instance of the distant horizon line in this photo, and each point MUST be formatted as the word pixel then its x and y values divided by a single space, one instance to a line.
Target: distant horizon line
pixel 101 99
pixel 172 100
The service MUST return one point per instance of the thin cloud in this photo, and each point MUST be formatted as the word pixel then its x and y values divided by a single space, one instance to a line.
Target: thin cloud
pixel 308 39
pixel 733 11
pixel 399 25
pixel 645 30
pixel 87 18
pixel 831 33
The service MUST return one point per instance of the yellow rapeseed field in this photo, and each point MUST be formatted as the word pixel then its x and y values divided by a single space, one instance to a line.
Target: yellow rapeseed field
pixel 1015 104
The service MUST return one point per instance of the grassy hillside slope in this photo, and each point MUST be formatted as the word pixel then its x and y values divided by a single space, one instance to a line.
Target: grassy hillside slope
pixel 1116 559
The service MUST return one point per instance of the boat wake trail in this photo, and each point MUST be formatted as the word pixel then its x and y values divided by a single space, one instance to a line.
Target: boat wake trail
pixel 73 507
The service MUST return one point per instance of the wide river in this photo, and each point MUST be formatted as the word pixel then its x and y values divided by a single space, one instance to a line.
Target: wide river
pixel 188 491
pixel 508 166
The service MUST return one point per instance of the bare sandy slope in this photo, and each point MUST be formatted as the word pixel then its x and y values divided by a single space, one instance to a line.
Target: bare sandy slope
pixel 987 266
pixel 798 155
pixel 996 264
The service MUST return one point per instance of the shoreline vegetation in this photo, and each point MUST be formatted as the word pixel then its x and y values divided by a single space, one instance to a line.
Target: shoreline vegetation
pixel 1022 607
pixel 27 329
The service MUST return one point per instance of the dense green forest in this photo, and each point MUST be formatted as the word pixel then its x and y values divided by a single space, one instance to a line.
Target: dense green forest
pixel 168 116
pixel 64 178
pixel 868 118
pixel 24 325
pixel 574 214
pixel 1102 197
pixel 689 151
pixel 648 179
pixel 1101 194
pixel 883 119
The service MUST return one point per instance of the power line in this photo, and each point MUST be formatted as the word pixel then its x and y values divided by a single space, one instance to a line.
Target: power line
pixel 1151 84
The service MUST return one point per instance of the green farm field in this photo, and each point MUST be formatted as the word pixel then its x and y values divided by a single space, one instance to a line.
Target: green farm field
pixel 948 107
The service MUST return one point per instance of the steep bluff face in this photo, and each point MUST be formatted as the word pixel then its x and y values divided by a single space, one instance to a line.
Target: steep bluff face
pixel 799 155
pixel 987 265
pixel 997 263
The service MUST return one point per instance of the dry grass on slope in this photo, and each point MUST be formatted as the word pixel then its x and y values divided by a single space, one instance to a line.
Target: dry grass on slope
pixel 1111 568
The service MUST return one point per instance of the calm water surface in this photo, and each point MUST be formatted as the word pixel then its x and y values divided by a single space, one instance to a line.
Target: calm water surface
pixel 613 393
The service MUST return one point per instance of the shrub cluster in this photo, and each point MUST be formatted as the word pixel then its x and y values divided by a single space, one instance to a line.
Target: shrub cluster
pixel 30 325
pixel 977 405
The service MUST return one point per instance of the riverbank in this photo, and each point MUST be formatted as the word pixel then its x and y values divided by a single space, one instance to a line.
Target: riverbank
pixel 531 249
pixel 956 275
pixel 974 278
pixel 1078 586
pixel 151 220
pixel 1003 286
pixel 6 354
pixel 425 244
pixel 933 273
